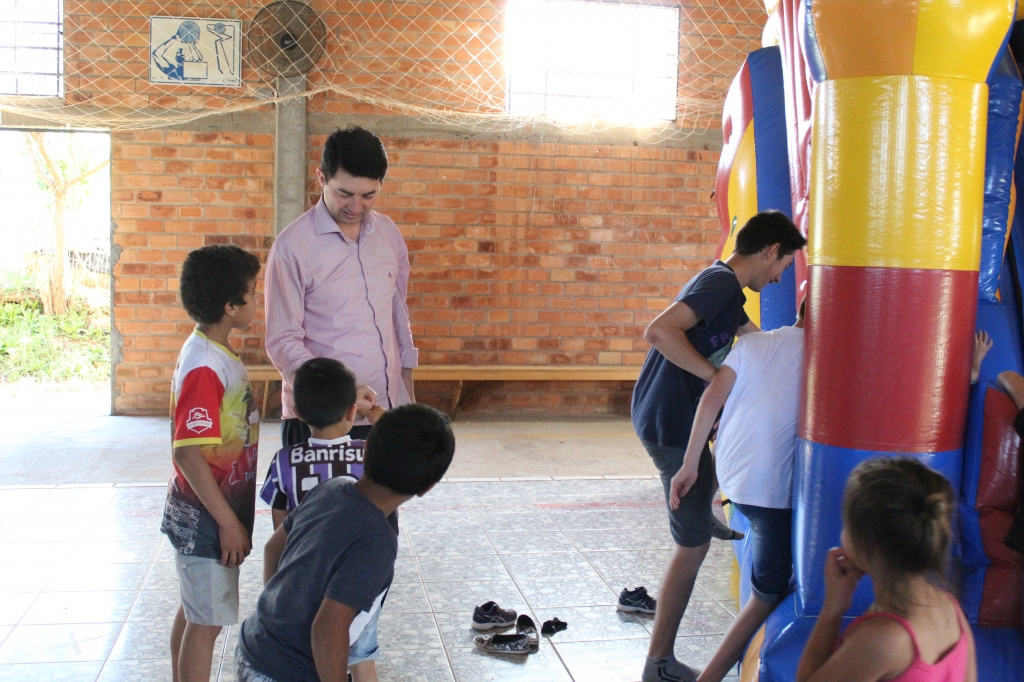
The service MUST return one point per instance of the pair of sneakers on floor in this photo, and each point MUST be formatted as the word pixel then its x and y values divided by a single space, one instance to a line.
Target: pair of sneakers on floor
pixel 526 639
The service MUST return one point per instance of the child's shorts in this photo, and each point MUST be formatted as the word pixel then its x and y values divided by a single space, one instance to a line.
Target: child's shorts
pixel 691 523
pixel 771 549
pixel 209 592
pixel 365 648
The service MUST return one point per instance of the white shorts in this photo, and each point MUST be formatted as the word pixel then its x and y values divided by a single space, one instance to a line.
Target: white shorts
pixel 209 592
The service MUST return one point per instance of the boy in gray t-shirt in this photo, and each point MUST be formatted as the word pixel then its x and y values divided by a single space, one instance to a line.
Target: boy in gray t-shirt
pixel 328 567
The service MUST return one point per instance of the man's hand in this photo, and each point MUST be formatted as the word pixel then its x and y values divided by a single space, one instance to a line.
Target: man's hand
pixel 681 484
pixel 841 578
pixel 366 399
pixel 234 544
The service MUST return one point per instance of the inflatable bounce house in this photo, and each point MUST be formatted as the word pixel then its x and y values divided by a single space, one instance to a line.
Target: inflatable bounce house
pixel 889 131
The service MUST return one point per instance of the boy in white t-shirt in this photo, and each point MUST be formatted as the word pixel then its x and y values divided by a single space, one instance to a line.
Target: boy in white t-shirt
pixel 759 386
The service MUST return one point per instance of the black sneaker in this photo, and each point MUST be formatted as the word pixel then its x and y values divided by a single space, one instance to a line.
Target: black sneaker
pixel 490 615
pixel 636 600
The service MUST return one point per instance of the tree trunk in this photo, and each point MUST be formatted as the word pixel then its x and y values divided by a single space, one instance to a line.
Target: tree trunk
pixel 58 271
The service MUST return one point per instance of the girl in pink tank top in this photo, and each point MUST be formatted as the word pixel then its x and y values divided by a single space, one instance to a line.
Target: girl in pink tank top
pixel 896 529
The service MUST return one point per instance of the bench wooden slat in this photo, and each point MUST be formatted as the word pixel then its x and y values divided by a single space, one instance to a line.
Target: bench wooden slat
pixel 495 373
pixel 463 373
pixel 525 373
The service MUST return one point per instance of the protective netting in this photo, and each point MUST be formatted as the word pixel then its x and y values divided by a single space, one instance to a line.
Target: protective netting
pixel 443 61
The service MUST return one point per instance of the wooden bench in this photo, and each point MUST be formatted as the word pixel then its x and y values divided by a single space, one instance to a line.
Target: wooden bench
pixel 463 373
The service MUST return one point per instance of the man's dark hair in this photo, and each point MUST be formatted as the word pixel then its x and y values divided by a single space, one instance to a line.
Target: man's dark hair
pixel 356 151
pixel 767 228
pixel 409 449
pixel 324 390
pixel 212 277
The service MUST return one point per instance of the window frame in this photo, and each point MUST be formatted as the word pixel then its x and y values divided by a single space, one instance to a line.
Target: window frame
pixel 58 48
pixel 657 120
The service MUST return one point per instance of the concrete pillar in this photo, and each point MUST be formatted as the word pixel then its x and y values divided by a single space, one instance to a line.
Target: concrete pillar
pixel 290 154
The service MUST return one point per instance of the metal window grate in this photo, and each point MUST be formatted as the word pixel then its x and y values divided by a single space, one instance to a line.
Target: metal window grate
pixel 32 47
pixel 575 60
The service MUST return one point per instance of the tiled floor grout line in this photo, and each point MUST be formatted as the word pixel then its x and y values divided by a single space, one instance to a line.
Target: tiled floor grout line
pixel 476 516
pixel 502 479
pixel 120 523
pixel 430 604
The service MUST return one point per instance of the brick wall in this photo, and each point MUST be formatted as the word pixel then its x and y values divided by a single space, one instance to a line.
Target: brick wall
pixel 443 53
pixel 543 254
pixel 522 253
pixel 173 192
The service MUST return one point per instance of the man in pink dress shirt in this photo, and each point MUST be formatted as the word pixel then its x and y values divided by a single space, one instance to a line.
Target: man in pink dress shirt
pixel 336 281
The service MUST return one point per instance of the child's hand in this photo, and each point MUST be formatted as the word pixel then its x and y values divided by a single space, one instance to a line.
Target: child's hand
pixel 841 578
pixel 366 399
pixel 982 345
pixel 681 484
pixel 234 544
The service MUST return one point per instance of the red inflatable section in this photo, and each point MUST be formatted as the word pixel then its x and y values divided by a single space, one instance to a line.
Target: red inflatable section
pixel 924 319
pixel 1002 600
pixel 799 86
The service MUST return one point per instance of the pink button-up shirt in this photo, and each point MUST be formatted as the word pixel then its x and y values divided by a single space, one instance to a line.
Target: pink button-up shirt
pixel 328 297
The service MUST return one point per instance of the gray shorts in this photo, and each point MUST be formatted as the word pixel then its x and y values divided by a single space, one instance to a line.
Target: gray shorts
pixel 209 592
pixel 691 523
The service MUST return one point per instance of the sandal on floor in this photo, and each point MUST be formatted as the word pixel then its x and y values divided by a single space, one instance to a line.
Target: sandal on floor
pixel 552 626
pixel 721 531
pixel 503 644
pixel 525 626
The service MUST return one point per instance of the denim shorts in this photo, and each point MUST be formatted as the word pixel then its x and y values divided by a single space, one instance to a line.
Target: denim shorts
pixel 771 549
pixel 363 649
pixel 691 523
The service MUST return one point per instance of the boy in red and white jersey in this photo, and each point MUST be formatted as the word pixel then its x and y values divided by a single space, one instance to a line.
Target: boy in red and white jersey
pixel 211 498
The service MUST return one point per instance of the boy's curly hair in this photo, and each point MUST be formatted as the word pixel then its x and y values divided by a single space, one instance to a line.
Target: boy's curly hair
pixel 214 276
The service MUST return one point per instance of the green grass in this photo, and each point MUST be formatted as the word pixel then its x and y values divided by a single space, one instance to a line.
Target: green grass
pixel 52 348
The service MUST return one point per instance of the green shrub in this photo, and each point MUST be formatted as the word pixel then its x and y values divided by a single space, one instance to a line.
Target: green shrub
pixel 52 348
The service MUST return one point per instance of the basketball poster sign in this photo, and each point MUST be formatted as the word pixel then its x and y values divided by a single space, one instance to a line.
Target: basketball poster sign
pixel 189 51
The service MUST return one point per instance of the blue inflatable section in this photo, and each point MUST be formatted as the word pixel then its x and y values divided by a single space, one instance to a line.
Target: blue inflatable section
pixel 771 150
pixel 973 560
pixel 785 634
pixel 742 549
pixel 999 652
pixel 1005 90
pixel 819 476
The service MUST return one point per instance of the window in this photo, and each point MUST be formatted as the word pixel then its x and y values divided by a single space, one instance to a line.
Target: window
pixel 31 47
pixel 576 60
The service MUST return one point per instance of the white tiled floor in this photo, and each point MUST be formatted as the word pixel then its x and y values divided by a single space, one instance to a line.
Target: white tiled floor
pixel 88 590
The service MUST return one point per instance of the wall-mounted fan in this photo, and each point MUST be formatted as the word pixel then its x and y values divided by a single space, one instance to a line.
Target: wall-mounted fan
pixel 286 39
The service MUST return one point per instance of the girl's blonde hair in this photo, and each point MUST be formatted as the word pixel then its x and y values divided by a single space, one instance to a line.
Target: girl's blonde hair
pixel 898 514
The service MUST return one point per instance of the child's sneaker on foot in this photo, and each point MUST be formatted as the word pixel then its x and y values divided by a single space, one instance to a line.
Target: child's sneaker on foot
pixel 668 669
pixel 636 600
pixel 490 615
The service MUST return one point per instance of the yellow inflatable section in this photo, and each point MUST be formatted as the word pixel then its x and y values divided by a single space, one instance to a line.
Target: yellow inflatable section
pixel 743 207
